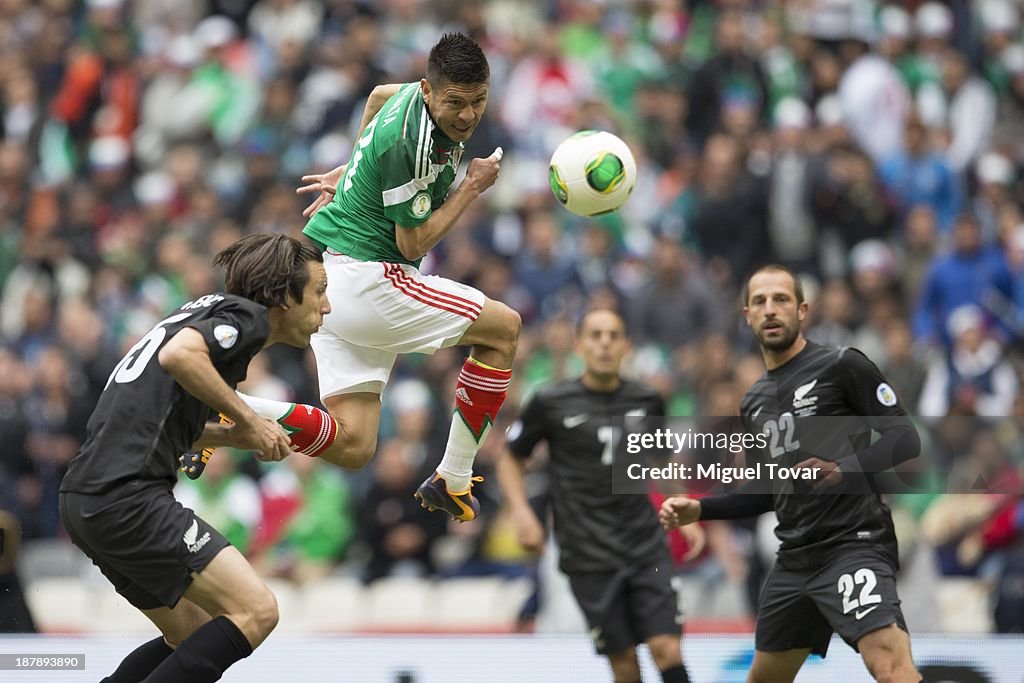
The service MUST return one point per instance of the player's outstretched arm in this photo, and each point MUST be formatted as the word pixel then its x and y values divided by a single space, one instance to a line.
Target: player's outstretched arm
pixel 187 358
pixel 679 511
pixel 217 435
pixel 512 479
pixel 325 185
pixel 415 242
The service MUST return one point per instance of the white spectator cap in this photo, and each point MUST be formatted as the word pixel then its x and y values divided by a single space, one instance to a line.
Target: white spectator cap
pixel 829 111
pixel 216 31
pixel 998 16
pixel 934 20
pixel 184 52
pixel 156 187
pixel 1013 59
pixel 109 152
pixel 894 22
pixel 104 4
pixel 872 255
pixel 965 318
pixel 409 395
pixel 994 168
pixel 792 113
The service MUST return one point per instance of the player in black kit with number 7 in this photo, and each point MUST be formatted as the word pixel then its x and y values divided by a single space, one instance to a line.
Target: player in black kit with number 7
pixel 612 549
pixel 836 568
pixel 116 502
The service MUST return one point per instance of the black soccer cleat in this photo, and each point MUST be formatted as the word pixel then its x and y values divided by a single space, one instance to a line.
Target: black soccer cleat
pixel 193 464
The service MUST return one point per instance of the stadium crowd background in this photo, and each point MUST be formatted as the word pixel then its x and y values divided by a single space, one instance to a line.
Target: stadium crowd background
pixel 876 148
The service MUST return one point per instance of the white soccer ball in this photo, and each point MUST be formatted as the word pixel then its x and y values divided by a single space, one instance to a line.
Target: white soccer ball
pixel 592 172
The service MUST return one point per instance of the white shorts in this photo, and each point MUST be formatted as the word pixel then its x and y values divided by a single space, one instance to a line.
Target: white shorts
pixel 379 310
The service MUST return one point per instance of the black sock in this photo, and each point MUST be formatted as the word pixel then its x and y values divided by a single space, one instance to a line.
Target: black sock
pixel 140 662
pixel 677 674
pixel 204 655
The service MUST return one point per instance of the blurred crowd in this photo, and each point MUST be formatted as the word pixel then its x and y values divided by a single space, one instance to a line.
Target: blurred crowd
pixel 876 148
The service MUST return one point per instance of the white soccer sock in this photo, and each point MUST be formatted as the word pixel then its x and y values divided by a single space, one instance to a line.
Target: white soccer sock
pixel 457 464
pixel 265 407
pixel 479 393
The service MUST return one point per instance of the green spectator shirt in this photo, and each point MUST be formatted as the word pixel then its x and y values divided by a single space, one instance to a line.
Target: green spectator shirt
pixel 400 171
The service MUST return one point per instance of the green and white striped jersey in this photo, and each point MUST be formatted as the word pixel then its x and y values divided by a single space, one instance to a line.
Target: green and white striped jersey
pixel 400 171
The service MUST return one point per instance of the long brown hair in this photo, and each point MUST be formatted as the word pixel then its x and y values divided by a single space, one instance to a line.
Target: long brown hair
pixel 266 268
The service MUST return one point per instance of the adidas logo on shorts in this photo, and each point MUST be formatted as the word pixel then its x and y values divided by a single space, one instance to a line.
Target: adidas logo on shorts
pixel 462 395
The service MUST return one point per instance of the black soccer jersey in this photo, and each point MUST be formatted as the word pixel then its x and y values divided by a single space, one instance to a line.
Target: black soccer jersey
pixel 596 530
pixel 824 403
pixel 144 419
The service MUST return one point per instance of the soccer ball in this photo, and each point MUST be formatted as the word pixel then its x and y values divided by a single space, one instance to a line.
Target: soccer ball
pixel 592 172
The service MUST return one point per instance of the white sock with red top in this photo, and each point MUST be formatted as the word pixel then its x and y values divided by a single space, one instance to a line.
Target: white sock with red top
pixel 479 394
pixel 310 429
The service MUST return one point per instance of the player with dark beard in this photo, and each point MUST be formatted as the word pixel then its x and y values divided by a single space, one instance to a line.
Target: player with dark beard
pixel 836 568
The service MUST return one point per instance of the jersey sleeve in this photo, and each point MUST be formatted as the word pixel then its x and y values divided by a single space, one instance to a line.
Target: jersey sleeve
pixel 872 398
pixel 528 430
pixel 405 194
pixel 866 389
pixel 235 331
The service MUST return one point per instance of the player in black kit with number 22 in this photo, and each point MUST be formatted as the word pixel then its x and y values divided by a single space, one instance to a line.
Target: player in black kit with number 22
pixel 612 549
pixel 836 567
pixel 116 502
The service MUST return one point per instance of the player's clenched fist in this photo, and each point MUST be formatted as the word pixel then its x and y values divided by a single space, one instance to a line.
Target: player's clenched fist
pixel 678 511
pixel 483 172
pixel 268 438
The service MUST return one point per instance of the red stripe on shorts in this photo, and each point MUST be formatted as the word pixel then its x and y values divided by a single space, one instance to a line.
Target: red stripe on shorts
pixel 435 303
pixel 438 294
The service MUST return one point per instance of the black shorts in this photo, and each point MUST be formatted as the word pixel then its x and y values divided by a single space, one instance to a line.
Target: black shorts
pixel 142 539
pixel 626 608
pixel 853 595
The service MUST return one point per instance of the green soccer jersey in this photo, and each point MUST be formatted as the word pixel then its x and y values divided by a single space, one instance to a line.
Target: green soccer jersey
pixel 400 171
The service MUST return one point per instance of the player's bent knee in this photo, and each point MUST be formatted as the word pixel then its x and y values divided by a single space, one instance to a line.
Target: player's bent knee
pixel 264 613
pixel 886 656
pixel 506 340
pixel 350 456
pixel 666 651
pixel 882 667
pixel 514 326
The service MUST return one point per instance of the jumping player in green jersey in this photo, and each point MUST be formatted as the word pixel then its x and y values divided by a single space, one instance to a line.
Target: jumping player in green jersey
pixel 376 217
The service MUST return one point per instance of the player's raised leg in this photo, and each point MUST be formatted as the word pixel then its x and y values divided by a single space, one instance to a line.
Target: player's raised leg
pixel 345 434
pixel 776 667
pixel 479 394
pixel 886 654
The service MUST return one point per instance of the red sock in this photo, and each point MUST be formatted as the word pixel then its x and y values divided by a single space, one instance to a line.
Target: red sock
pixel 479 394
pixel 312 430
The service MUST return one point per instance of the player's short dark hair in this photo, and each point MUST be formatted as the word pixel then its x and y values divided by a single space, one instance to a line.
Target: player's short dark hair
pixel 798 286
pixel 457 58
pixel 583 319
pixel 266 268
